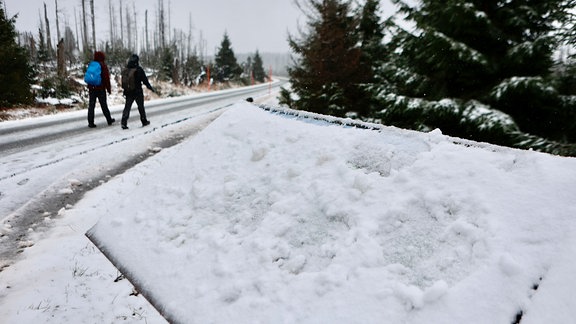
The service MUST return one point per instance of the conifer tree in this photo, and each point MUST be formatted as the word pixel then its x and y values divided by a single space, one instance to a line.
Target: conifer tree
pixel 258 68
pixel 167 65
pixel 372 33
pixel 478 69
pixel 42 53
pixel 191 69
pixel 226 64
pixel 374 53
pixel 15 72
pixel 328 71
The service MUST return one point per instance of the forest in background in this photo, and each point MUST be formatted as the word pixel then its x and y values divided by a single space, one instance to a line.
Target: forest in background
pixel 57 54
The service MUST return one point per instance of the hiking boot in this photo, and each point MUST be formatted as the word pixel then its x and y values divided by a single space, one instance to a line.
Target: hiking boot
pixel 111 121
pixel 145 123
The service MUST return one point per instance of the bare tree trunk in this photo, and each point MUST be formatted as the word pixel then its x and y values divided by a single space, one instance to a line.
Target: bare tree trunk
pixel 161 25
pixel 175 77
pixel 61 62
pixel 76 26
pixel 33 52
pixel 111 19
pixel 121 25
pixel 189 36
pixel 70 46
pixel 170 36
pixel 202 48
pixel 135 30
pixel 57 20
pixel 93 25
pixel 41 30
pixel 146 31
pixel 48 41
pixel 129 28
pixel 85 28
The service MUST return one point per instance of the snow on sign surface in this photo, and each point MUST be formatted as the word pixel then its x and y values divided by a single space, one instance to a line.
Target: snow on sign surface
pixel 266 218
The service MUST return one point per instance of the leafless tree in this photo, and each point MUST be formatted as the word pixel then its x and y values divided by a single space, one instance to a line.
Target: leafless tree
pixel 32 42
pixel 48 41
pixel 70 44
pixel 147 45
pixel 85 28
pixel 128 28
pixel 135 30
pixel 93 25
pixel 57 20
pixel 111 21
pixel 189 38
pixel 76 25
pixel 121 24
pixel 60 59
pixel 161 24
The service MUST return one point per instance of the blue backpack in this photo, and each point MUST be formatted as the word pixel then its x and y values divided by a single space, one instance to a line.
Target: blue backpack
pixel 93 74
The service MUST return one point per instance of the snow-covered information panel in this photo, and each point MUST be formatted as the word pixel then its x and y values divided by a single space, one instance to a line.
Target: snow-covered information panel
pixel 268 218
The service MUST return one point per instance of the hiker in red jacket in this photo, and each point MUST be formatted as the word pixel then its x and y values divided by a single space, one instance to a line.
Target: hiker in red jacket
pixel 99 92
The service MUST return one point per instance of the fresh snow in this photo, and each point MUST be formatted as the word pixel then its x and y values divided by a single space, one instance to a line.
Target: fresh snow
pixel 264 217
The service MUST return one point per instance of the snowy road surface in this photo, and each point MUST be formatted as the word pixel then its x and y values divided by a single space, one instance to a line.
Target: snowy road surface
pixel 41 156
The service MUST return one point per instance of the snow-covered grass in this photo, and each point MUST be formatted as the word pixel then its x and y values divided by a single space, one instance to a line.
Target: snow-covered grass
pixel 268 218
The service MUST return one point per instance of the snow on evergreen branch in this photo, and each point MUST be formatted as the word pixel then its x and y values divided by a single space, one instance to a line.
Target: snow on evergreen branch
pixel 518 82
pixel 487 117
pixel 464 52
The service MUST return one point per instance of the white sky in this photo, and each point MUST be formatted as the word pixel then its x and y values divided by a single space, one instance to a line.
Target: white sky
pixel 251 25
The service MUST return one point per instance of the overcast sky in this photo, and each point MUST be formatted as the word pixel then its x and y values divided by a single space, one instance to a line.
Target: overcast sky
pixel 251 24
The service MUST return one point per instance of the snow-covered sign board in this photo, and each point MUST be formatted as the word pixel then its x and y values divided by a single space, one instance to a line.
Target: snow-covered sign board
pixel 268 218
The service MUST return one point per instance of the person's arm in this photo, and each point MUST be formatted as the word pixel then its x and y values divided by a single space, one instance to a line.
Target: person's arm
pixel 145 80
pixel 106 78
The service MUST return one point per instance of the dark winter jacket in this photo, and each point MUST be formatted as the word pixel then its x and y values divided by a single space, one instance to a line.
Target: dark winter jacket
pixel 139 77
pixel 105 85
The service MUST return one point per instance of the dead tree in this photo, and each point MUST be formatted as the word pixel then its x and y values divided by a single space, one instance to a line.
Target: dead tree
pixel 85 28
pixel 48 41
pixel 161 24
pixel 147 46
pixel 57 20
pixel 111 20
pixel 93 25
pixel 135 30
pixel 61 59
pixel 128 28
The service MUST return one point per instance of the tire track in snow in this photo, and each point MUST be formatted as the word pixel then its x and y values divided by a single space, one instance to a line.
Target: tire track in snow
pixel 37 215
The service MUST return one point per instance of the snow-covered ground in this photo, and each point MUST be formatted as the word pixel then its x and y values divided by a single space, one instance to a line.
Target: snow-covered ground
pixel 267 218
pixel 61 275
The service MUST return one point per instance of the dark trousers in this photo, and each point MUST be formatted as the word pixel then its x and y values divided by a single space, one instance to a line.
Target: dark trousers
pixel 101 96
pixel 139 98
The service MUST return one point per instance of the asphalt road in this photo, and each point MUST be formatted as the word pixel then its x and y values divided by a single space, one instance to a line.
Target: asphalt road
pixel 22 136
pixel 39 156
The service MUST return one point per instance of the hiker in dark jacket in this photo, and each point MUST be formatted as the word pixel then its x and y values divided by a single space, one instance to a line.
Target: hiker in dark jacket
pixel 100 92
pixel 137 94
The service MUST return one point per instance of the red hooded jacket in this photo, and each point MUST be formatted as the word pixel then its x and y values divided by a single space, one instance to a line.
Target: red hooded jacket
pixel 101 58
